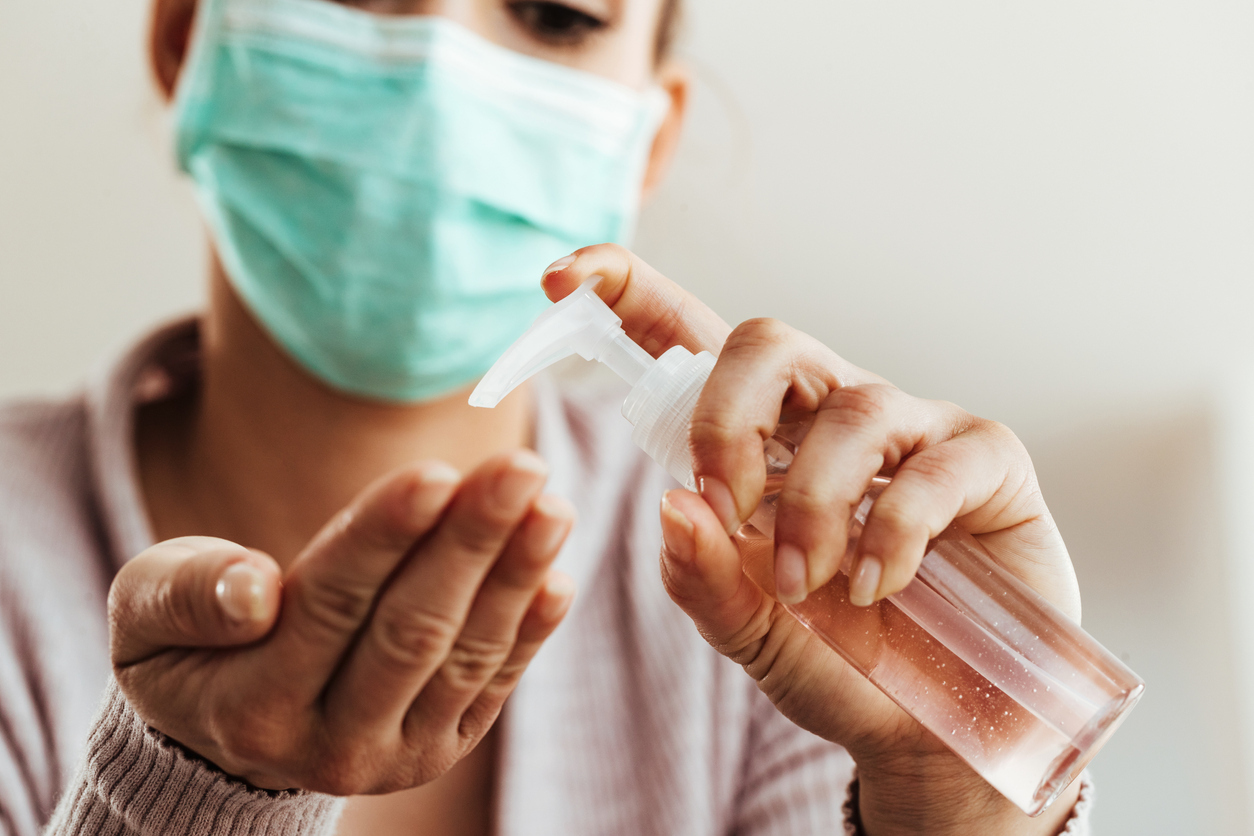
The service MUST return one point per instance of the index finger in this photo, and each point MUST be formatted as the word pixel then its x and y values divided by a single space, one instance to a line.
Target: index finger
pixel 332 585
pixel 656 312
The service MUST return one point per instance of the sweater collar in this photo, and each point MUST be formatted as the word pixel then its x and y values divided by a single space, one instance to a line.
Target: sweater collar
pixel 166 361
pixel 156 366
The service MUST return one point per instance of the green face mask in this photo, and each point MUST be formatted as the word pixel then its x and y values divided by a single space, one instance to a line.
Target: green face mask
pixel 384 191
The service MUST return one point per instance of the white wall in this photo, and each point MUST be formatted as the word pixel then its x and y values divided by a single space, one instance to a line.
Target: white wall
pixel 97 237
pixel 1042 212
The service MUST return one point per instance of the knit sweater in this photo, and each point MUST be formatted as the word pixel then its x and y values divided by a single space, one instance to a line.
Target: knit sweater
pixel 626 722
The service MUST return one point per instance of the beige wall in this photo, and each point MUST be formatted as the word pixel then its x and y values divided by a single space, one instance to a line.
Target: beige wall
pixel 1043 212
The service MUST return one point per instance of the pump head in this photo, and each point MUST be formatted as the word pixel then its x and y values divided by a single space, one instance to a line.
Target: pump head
pixel 579 324
pixel 664 391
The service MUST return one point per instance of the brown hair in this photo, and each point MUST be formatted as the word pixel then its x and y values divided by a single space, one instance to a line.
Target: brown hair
pixel 667 26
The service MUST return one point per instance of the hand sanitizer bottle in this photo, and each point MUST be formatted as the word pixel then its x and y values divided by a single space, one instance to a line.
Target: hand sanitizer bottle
pixel 1010 684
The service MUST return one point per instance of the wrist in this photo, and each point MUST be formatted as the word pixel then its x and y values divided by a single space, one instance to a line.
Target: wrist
pixel 939 795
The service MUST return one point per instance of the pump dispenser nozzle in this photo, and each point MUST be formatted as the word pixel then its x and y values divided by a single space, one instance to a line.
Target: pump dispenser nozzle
pixel 579 324
pixel 664 391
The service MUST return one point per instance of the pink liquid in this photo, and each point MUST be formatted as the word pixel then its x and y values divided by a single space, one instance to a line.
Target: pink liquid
pixel 1012 686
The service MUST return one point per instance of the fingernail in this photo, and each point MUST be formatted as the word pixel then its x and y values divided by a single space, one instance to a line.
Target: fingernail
pixel 679 547
pixel 528 462
pixel 558 510
pixel 241 593
pixel 559 589
pixel 560 264
pixel 417 498
pixel 865 581
pixel 516 483
pixel 439 473
pixel 719 497
pixel 790 574
pixel 555 507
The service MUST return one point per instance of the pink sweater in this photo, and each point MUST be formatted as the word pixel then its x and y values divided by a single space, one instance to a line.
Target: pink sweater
pixel 626 722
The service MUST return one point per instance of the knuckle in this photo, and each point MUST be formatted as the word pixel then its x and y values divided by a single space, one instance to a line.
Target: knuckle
pixel 807 499
pixel 606 247
pixel 965 419
pixel 932 468
pixel 866 404
pixel 332 606
pixel 756 647
pixel 473 661
pixel 680 588
pixel 966 423
pixel 745 646
pixel 712 432
pixel 474 724
pixel 758 332
pixel 1001 434
pixel 508 674
pixel 414 637
pixel 122 610
pixel 378 531
pixel 177 601
pixel 121 594
pixel 742 644
pixel 484 534
pixel 893 517
pixel 615 250
pixel 519 569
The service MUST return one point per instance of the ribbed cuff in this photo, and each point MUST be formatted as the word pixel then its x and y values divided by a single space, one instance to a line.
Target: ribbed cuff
pixel 135 780
pixel 1077 825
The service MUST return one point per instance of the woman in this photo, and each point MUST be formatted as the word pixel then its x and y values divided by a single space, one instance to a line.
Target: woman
pixel 325 573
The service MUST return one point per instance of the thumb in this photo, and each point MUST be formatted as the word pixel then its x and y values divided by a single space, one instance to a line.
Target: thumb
pixel 704 573
pixel 191 592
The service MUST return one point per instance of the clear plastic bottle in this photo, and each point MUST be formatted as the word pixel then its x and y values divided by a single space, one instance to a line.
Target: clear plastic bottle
pixel 1000 676
pixel 1014 687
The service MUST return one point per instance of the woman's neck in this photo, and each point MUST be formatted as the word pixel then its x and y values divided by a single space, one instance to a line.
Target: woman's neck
pixel 263 454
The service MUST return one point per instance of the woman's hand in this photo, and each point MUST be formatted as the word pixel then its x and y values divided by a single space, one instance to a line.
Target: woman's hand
pixel 378 660
pixel 946 465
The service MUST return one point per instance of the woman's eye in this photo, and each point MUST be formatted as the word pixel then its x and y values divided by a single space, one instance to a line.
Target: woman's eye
pixel 555 22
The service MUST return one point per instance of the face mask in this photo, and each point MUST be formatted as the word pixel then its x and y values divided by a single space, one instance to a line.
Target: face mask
pixel 384 191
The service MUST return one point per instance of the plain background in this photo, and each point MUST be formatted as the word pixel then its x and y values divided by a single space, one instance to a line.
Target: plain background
pixel 1044 212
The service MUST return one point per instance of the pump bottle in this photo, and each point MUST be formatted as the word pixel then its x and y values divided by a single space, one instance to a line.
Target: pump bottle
pixel 1000 676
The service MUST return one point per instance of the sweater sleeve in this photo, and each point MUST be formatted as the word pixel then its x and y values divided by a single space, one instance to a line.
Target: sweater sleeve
pixel 792 781
pixel 134 780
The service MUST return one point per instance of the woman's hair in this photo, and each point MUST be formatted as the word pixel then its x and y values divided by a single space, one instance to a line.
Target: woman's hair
pixel 668 24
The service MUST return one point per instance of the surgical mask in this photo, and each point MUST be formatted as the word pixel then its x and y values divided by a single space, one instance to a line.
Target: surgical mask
pixel 384 191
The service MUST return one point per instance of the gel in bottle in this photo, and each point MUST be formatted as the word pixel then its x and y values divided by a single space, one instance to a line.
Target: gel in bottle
pixel 1010 684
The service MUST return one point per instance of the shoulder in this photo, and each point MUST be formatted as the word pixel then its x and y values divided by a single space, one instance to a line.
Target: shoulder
pixel 54 565
pixel 45 472
pixel 54 580
pixel 51 540
pixel 33 425
pixel 44 464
